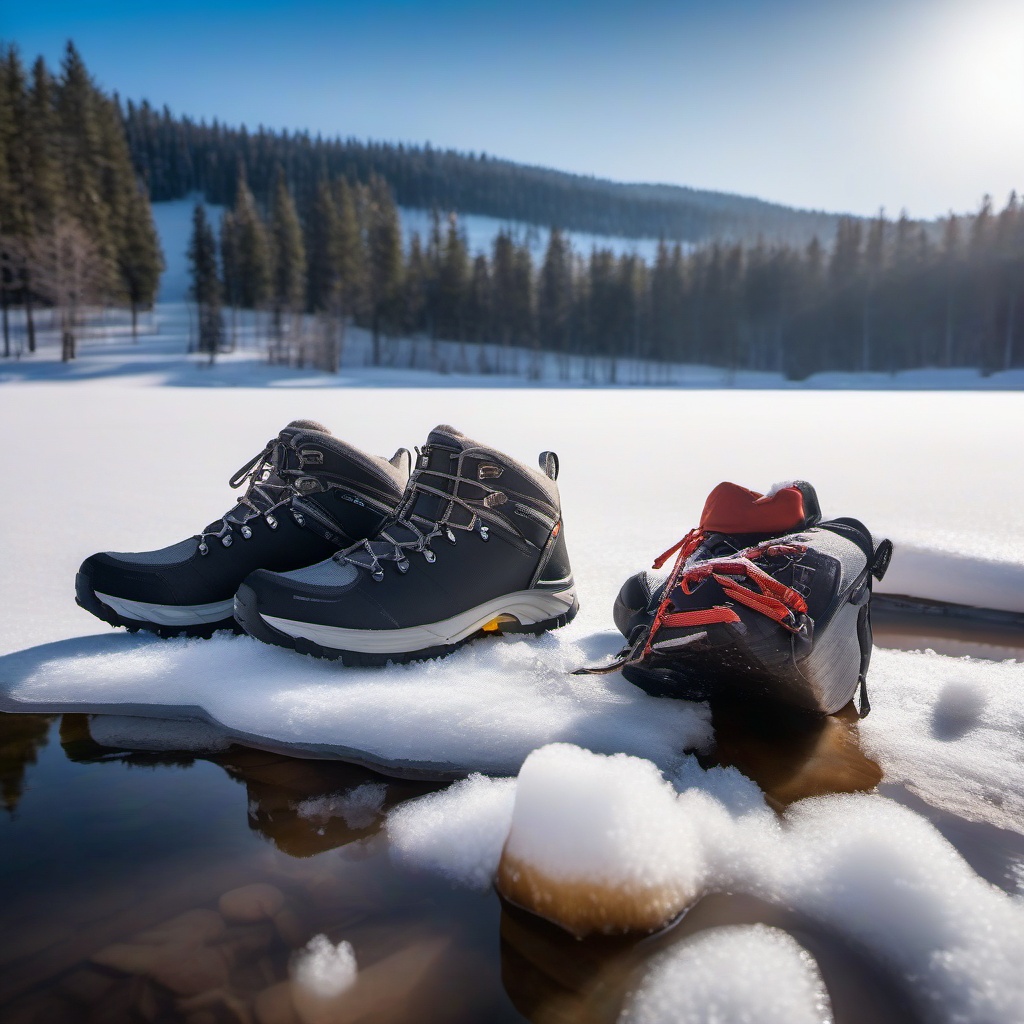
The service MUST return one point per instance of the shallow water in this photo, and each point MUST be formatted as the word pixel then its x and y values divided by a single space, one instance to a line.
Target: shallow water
pixel 102 849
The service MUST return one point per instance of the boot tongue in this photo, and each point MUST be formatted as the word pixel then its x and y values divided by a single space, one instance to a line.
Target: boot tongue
pixel 297 425
pixel 448 437
pixel 734 509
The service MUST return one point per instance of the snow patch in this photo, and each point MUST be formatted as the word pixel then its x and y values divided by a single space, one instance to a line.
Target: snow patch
pixel 735 975
pixel 457 832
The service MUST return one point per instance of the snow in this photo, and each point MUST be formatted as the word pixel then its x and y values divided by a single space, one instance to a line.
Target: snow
pixel 874 872
pixel 696 982
pixel 99 456
pixel 952 731
pixel 323 968
pixel 457 832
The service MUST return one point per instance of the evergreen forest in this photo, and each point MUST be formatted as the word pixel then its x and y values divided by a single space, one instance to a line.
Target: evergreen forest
pixel 311 242
pixel 76 229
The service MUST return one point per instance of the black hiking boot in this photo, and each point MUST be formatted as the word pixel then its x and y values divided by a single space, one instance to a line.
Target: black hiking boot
pixel 476 547
pixel 765 602
pixel 309 494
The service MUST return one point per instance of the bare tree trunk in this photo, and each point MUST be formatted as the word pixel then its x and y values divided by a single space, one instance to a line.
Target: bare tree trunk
pixel 7 325
pixel 135 323
pixel 1011 318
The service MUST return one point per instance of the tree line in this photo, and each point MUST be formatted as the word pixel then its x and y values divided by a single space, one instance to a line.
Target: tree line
pixel 178 156
pixel 886 296
pixel 75 222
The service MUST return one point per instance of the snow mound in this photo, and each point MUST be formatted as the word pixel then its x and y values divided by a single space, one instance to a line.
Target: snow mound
pixel 868 869
pixel 952 731
pixel 698 981
pixel 483 708
pixel 457 832
pixel 595 843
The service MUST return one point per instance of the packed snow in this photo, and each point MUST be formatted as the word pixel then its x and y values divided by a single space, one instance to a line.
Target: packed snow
pixel 871 870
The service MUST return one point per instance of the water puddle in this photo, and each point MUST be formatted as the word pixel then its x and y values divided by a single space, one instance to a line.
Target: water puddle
pixel 164 886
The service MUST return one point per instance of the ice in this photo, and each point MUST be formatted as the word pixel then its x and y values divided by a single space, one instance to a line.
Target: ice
pixel 483 709
pixel 734 975
pixel 952 731
pixel 323 968
pixel 457 832
pixel 155 734
pixel 871 871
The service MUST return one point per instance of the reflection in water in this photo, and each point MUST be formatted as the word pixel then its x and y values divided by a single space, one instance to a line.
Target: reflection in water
pixel 20 740
pixel 793 756
pixel 304 807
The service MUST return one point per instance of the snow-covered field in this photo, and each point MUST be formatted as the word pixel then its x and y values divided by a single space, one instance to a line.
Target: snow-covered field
pixel 98 456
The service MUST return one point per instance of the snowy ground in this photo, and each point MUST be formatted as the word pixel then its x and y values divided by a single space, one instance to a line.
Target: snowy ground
pixel 100 457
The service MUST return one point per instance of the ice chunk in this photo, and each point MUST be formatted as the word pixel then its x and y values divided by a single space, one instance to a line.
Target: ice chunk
pixel 458 832
pixel 128 733
pixel 735 975
pixel 482 709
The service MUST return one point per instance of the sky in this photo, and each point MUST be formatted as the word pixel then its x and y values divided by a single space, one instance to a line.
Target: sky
pixel 842 105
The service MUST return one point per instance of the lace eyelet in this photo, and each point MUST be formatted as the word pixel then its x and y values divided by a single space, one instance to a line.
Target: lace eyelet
pixel 378 575
pixel 226 540
pixel 403 565
pixel 450 535
pixel 485 533
pixel 204 548
pixel 246 532
pixel 271 522
pixel 298 517
pixel 429 555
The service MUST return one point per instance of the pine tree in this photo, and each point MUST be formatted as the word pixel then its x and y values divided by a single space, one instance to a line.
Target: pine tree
pixel 555 295
pixel 140 261
pixel 206 285
pixel 253 248
pixel 288 281
pixel 384 262
pixel 452 284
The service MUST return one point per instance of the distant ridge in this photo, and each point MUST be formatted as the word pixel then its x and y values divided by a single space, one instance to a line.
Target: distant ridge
pixel 178 156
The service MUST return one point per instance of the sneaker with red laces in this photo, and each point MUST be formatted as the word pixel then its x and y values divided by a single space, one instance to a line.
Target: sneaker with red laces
pixel 765 600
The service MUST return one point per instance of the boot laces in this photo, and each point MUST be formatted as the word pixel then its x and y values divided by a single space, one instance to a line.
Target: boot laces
pixel 271 484
pixel 389 545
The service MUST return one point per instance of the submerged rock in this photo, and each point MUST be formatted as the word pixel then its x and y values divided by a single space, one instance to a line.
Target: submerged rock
pixel 255 902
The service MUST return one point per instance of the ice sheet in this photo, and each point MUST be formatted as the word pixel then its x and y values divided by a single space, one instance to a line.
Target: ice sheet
pixel 483 709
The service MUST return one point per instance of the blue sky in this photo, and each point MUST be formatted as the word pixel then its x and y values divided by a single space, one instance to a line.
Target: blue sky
pixel 834 104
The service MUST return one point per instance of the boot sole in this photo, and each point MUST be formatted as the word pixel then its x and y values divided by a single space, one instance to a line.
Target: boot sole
pixel 498 616
pixel 97 604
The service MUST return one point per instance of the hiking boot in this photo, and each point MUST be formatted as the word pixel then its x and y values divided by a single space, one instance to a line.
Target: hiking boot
pixel 764 601
pixel 476 547
pixel 308 495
